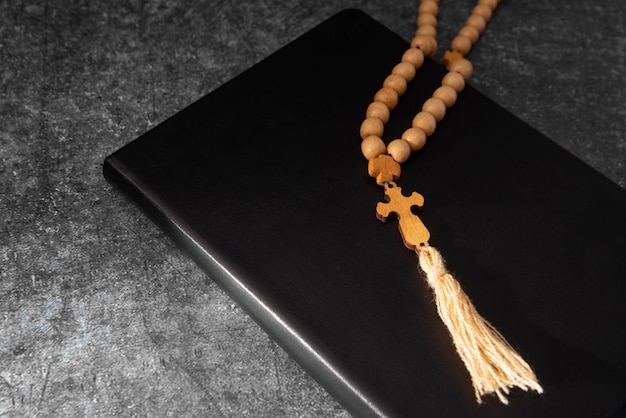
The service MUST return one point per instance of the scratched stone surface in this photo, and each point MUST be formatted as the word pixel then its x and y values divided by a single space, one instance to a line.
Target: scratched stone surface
pixel 100 314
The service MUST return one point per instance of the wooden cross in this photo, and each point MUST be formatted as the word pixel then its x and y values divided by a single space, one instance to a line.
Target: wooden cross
pixel 413 231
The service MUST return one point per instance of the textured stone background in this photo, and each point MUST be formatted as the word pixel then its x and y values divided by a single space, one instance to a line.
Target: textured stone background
pixel 100 314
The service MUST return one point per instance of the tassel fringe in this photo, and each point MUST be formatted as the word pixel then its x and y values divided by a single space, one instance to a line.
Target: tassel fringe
pixel 492 363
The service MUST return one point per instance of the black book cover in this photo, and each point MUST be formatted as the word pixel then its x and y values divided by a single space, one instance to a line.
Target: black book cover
pixel 263 183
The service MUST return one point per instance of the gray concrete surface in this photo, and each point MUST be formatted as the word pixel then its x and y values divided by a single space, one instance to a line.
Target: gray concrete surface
pixel 100 314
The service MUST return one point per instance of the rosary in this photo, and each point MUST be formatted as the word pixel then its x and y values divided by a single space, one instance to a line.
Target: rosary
pixel 494 366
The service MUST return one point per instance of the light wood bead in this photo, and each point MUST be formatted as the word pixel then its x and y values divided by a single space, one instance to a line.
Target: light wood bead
pixel 478 22
pixel 426 19
pixel 483 11
pixel 388 96
pixel 415 137
pixel 446 94
pixel 461 44
pixel 426 122
pixel 454 80
pixel 372 146
pixel 461 66
pixel 492 4
pixel 427 30
pixel 435 106
pixel 378 110
pixel 470 32
pixel 399 150
pixel 427 44
pixel 428 7
pixel 415 56
pixel 372 127
pixel 396 82
pixel 405 70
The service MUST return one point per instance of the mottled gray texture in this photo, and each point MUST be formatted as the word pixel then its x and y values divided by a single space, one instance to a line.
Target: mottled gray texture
pixel 101 314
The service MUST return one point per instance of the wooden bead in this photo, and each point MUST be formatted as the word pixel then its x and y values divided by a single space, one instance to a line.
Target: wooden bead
pixel 405 70
pixel 396 82
pixel 427 44
pixel 415 137
pixel 426 122
pixel 378 110
pixel 461 44
pixel 478 22
pixel 428 7
pixel 454 80
pixel 372 127
pixel 483 11
pixel 427 30
pixel 435 106
pixel 399 150
pixel 446 94
pixel 372 146
pixel 415 56
pixel 426 19
pixel 492 4
pixel 470 32
pixel 388 96
pixel 461 66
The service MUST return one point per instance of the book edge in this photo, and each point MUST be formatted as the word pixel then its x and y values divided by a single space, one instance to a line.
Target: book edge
pixel 296 346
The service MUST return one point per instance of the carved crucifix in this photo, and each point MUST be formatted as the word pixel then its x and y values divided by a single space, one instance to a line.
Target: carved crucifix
pixel 413 231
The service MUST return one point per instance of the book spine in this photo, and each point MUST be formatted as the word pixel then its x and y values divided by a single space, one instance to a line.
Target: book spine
pixel 294 344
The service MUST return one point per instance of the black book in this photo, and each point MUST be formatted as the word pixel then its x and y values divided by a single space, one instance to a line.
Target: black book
pixel 263 183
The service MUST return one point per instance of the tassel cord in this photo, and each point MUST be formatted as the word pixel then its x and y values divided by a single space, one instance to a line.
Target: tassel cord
pixel 494 366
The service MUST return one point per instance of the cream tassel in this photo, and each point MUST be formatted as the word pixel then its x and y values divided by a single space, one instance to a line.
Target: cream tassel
pixel 493 364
